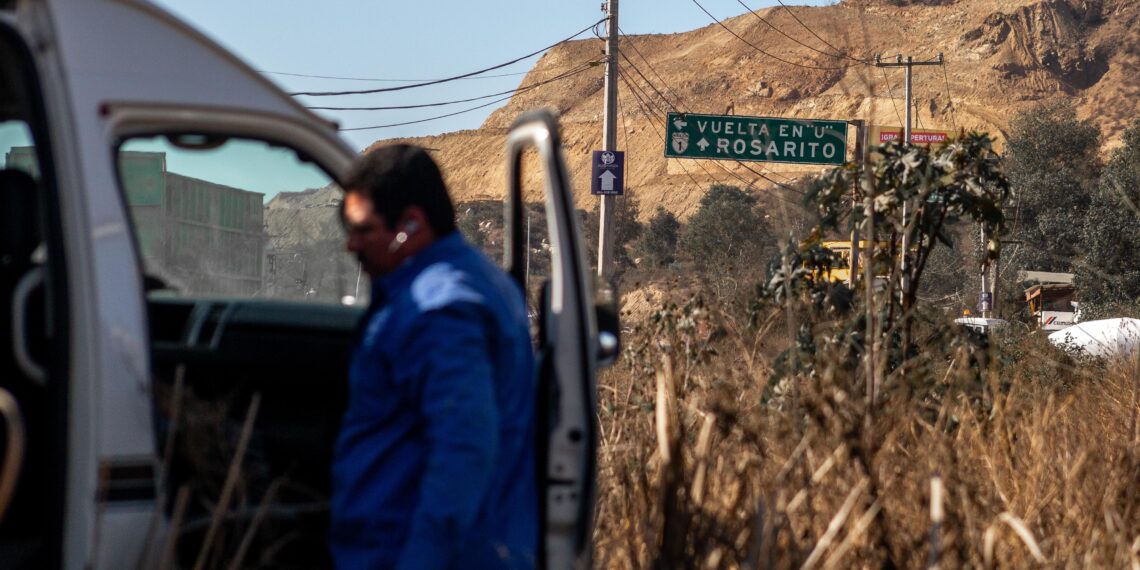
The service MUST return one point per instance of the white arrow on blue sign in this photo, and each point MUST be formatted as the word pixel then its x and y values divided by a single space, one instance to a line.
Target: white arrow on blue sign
pixel 608 173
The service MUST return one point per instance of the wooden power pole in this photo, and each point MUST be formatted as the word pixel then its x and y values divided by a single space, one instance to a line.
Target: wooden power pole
pixel 609 127
pixel 909 65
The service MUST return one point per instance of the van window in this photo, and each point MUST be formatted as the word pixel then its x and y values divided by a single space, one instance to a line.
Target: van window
pixel 16 145
pixel 236 217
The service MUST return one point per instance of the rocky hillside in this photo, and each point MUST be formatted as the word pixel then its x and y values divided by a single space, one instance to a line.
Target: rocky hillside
pixel 1000 57
pixel 306 256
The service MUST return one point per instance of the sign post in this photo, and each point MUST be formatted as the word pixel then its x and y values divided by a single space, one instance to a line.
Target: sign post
pixel 758 139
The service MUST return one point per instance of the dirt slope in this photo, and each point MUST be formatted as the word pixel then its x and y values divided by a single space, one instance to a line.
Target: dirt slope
pixel 1001 57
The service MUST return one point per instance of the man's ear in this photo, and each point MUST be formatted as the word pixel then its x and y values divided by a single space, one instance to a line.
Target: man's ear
pixel 413 220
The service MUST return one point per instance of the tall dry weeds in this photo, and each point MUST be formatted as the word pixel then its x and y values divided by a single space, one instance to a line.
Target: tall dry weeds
pixel 706 463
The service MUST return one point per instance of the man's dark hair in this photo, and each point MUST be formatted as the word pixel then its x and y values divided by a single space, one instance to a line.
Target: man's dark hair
pixel 398 176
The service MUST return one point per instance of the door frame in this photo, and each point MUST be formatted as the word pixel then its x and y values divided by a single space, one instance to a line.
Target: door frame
pixel 59 294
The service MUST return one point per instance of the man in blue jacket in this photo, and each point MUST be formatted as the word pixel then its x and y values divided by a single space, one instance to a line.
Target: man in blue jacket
pixel 434 464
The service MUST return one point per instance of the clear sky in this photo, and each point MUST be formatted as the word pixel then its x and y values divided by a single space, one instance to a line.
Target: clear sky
pixel 417 40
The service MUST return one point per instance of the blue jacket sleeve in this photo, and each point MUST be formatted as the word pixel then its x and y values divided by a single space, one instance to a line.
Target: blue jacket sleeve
pixel 449 356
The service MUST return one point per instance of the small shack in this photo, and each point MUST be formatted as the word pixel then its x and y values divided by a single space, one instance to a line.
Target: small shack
pixel 1051 298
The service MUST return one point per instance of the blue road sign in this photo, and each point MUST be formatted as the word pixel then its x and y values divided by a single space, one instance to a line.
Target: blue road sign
pixel 608 173
pixel 985 301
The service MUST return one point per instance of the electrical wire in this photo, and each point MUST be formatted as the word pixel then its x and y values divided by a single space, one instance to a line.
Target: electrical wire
pixel 647 109
pixel 377 80
pixel 443 103
pixel 652 69
pixel 812 32
pixel 950 98
pixel 757 48
pixel 446 79
pixel 646 112
pixel 685 106
pixel 564 76
pixel 918 118
pixel 838 55
pixel 891 94
pixel 625 125
pixel 738 177
pixel 650 83
pixel 738 162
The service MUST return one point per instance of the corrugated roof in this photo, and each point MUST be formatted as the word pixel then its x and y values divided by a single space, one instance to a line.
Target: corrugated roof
pixel 1045 277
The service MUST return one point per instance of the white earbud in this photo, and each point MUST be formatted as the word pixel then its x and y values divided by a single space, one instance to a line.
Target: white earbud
pixel 409 228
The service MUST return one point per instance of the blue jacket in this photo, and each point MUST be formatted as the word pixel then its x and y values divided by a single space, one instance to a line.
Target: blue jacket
pixel 434 464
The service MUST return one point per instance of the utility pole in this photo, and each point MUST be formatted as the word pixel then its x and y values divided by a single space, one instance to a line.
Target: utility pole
pixel 984 303
pixel 853 264
pixel 609 128
pixel 909 65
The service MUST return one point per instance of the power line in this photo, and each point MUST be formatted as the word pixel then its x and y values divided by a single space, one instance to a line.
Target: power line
pixel 647 109
pixel 908 65
pixel 668 87
pixel 446 79
pixel 812 32
pixel 625 125
pixel 950 99
pixel 647 112
pixel 443 103
pixel 683 104
pixel 738 177
pixel 738 162
pixel 564 76
pixel 838 55
pixel 686 107
pixel 649 83
pixel 757 48
pixel 891 94
pixel 386 80
pixel 427 119
pixel 917 114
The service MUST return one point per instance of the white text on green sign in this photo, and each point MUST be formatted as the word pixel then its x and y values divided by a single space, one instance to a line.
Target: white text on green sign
pixel 764 139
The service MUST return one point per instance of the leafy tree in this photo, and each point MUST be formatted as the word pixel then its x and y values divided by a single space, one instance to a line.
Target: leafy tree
pixel 727 233
pixel 658 245
pixel 1110 234
pixel 1052 165
pixel 959 180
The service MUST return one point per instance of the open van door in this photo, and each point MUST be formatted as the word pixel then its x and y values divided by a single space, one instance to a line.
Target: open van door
pixel 150 152
pixel 181 369
pixel 37 293
pixel 568 350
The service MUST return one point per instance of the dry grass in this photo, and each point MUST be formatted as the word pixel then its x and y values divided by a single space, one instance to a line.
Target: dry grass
pixel 705 464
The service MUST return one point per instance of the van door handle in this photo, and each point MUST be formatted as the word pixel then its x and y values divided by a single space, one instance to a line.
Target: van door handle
pixel 28 283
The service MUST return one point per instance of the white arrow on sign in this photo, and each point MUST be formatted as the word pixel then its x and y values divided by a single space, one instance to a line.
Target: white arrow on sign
pixel 703 144
pixel 607 181
pixel 679 124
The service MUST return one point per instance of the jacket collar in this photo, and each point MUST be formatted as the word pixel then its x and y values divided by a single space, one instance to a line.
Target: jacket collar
pixel 402 276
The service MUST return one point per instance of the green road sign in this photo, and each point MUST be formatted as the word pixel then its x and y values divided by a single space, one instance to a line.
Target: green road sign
pixel 763 139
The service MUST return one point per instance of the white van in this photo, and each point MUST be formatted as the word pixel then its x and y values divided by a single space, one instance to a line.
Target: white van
pixel 142 313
